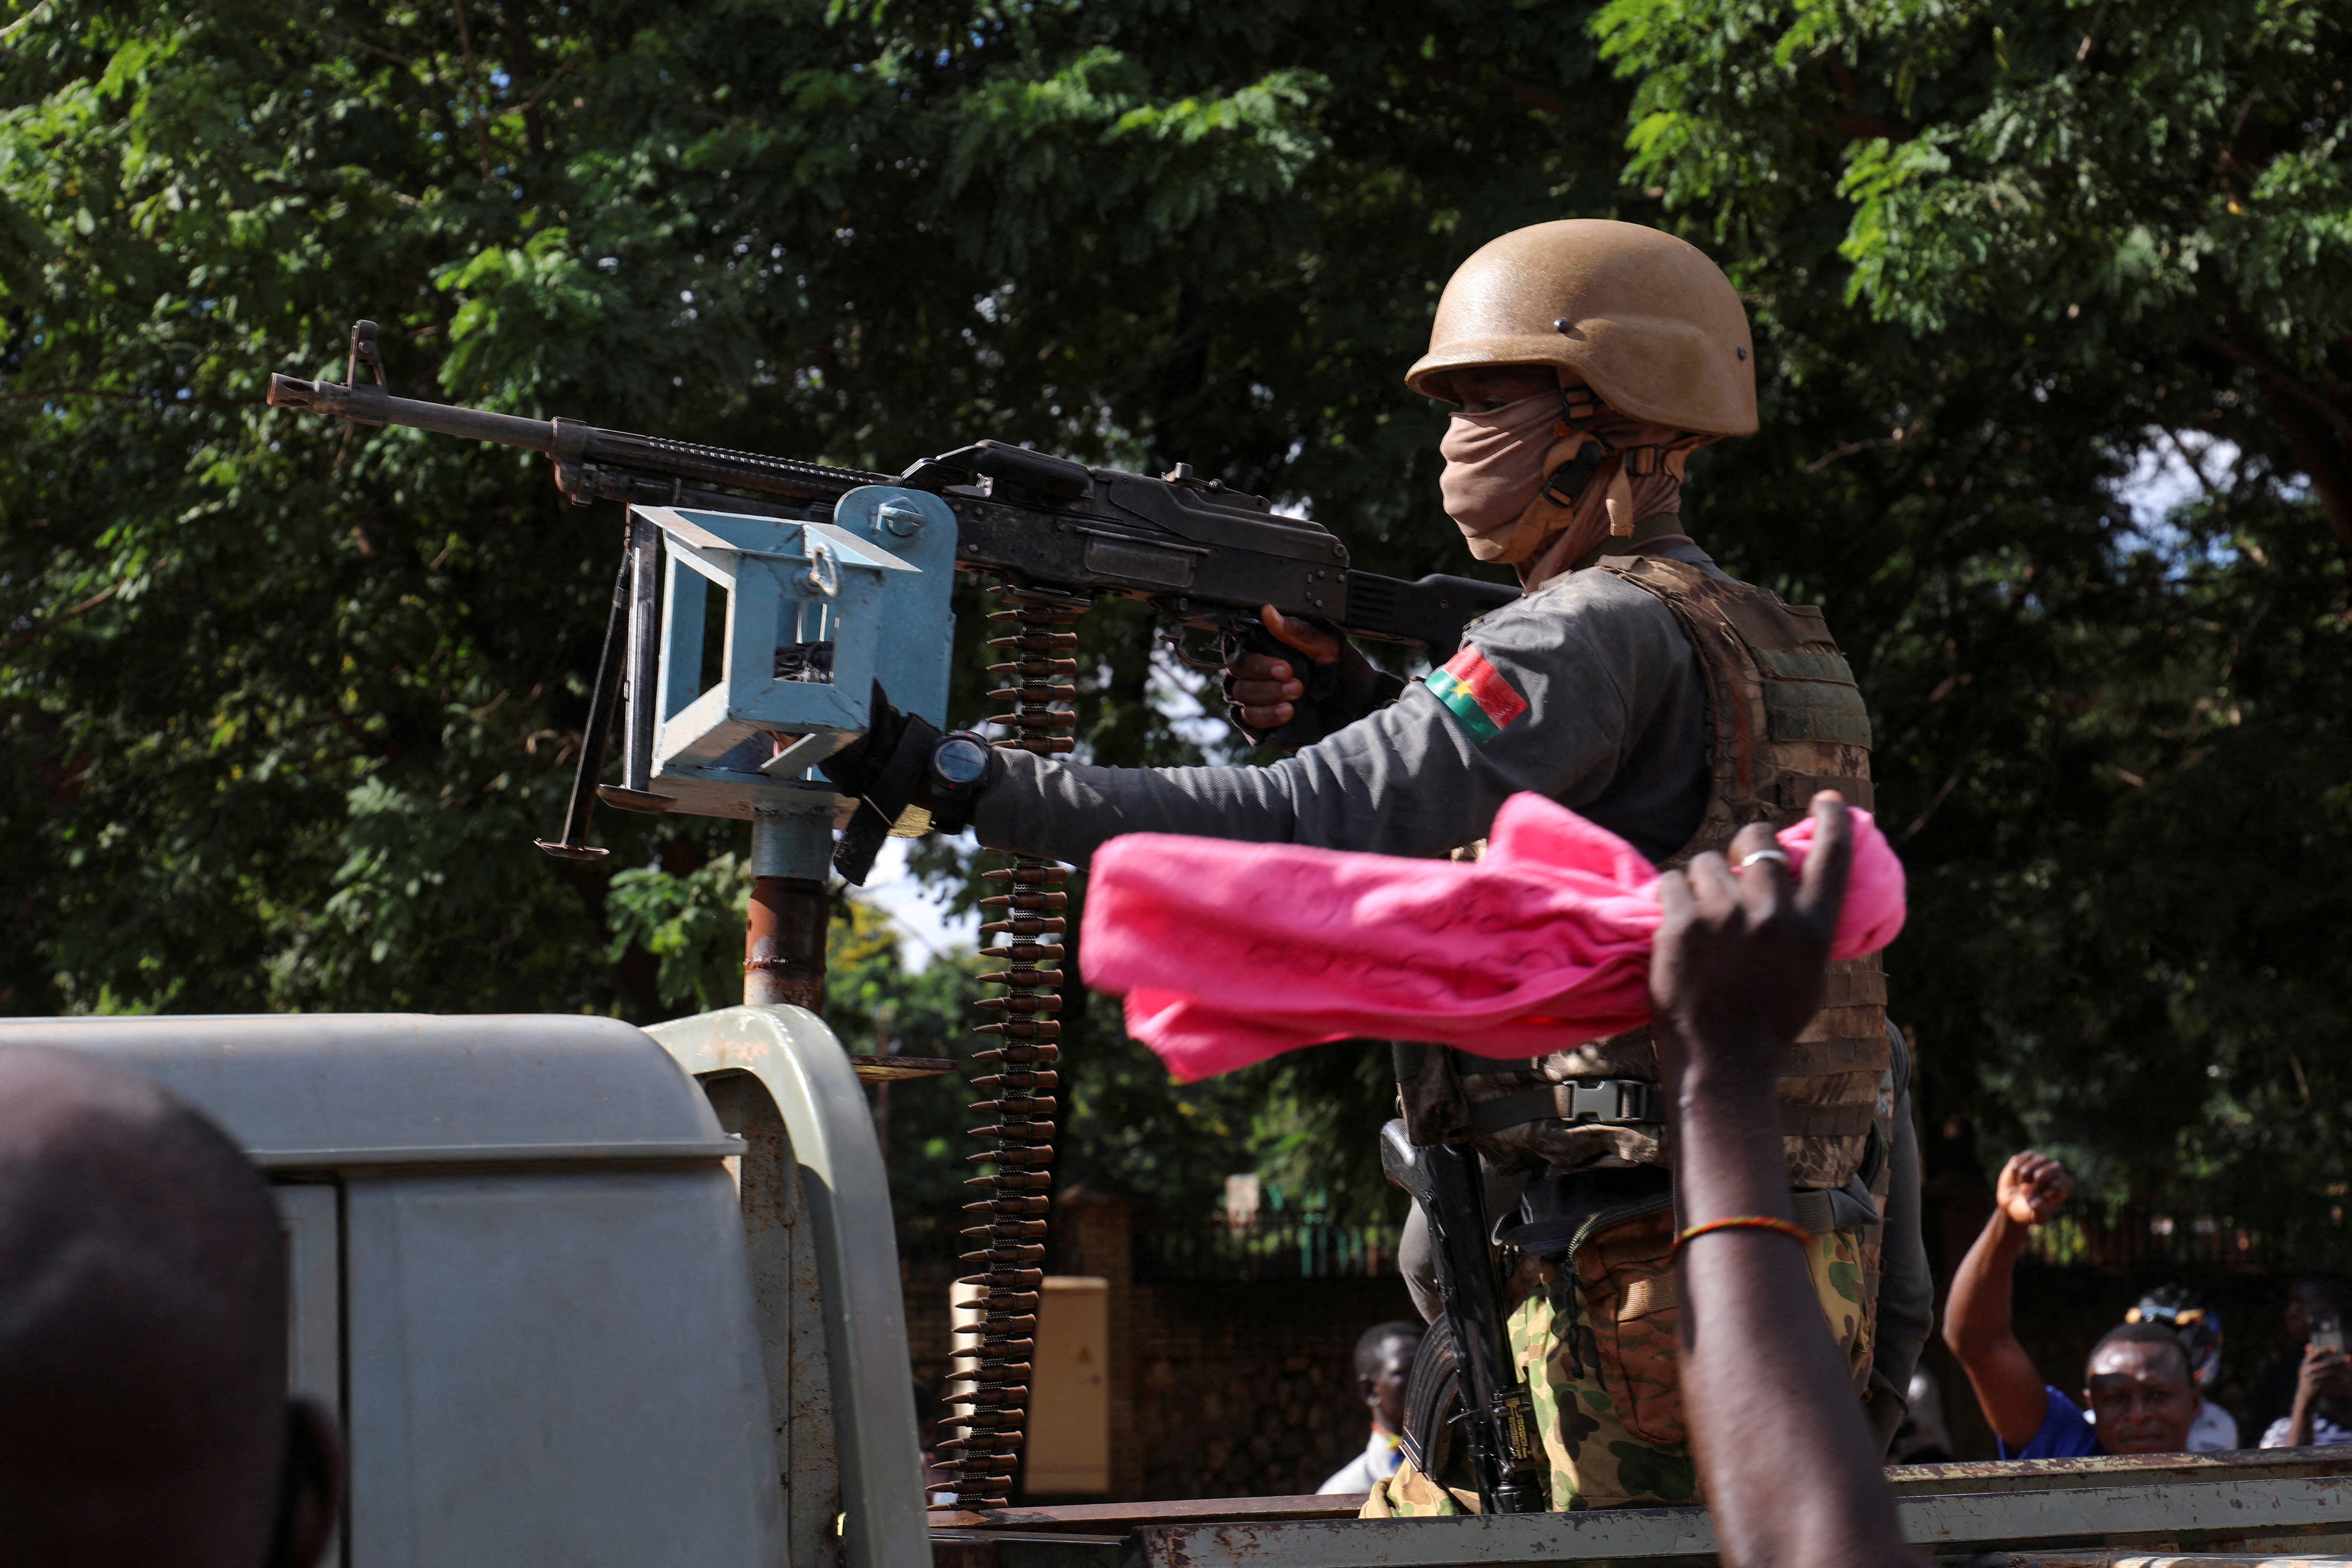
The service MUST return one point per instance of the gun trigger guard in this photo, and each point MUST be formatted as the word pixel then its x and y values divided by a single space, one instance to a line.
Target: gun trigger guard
pixel 1173 636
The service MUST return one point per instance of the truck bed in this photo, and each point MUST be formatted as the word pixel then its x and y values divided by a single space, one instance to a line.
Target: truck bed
pixel 2270 1506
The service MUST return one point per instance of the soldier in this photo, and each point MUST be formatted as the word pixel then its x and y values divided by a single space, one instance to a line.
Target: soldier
pixel 1635 683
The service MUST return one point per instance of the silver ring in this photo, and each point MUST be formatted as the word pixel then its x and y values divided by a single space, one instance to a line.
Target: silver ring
pixel 1779 855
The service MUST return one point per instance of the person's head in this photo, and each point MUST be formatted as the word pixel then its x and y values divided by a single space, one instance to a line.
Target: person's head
pixel 2140 1390
pixel 144 1408
pixel 1383 1366
pixel 1587 357
pixel 2312 1296
pixel 2197 1325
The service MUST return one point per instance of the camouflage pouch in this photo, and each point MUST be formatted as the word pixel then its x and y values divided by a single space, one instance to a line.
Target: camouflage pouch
pixel 1409 1494
pixel 1600 1349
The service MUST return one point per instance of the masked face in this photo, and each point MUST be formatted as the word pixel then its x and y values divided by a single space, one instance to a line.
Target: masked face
pixel 1496 461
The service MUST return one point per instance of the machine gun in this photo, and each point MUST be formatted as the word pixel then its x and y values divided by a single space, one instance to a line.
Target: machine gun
pixel 836 585
pixel 1205 556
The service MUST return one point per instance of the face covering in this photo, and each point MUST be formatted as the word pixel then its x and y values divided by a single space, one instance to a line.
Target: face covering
pixel 1496 463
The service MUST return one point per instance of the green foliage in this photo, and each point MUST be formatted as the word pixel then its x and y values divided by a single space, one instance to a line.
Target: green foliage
pixel 285 703
pixel 690 925
pixel 2001 256
pixel 2162 186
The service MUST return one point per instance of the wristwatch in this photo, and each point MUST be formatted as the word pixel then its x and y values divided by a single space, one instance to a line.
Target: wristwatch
pixel 962 764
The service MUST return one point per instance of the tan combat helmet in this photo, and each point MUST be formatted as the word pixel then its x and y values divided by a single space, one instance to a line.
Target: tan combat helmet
pixel 1645 320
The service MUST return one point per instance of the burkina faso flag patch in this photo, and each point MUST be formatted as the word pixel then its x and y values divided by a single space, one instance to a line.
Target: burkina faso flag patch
pixel 1476 693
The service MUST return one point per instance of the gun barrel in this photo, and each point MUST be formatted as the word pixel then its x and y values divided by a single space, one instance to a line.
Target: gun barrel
pixel 785 478
pixel 372 405
pixel 574 445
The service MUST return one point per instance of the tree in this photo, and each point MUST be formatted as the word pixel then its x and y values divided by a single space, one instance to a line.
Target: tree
pixel 2003 256
pixel 287 702
pixel 2163 186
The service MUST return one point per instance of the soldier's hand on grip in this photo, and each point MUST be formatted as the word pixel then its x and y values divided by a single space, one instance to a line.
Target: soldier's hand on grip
pixel 1737 966
pixel 1264 688
pixel 1300 681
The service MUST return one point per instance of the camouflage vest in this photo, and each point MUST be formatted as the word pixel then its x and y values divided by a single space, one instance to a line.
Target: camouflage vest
pixel 1785 720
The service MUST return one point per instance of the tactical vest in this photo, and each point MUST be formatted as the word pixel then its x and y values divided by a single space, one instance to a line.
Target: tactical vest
pixel 1785 720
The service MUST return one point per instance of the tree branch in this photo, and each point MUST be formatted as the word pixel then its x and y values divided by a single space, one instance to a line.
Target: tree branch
pixel 61 617
pixel 10 30
pixel 2276 378
pixel 474 86
pixel 2316 428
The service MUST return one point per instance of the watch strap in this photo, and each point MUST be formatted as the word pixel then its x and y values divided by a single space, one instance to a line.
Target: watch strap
pixel 951 803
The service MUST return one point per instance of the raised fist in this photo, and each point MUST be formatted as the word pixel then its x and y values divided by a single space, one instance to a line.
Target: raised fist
pixel 2033 1187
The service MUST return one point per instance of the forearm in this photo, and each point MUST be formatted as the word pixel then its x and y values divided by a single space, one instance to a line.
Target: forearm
pixel 1066 811
pixel 1394 783
pixel 1977 1314
pixel 2301 1420
pixel 1767 1394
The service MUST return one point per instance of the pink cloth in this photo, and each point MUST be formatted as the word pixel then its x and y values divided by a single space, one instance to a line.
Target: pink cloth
pixel 1229 954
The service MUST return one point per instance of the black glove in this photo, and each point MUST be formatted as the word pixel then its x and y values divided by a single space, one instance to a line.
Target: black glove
pixel 1337 694
pixel 886 769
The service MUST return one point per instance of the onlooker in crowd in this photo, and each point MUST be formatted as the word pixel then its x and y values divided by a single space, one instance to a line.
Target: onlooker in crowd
pixel 2269 1397
pixel 2198 1328
pixel 1383 1366
pixel 1736 971
pixel 144 1409
pixel 2322 1412
pixel 2138 1379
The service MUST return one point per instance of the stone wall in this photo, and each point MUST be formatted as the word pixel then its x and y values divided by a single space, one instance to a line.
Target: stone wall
pixel 1218 1388
pixel 1249 1389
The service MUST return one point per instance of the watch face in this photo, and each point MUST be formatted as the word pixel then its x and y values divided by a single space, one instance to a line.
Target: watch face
pixel 959 761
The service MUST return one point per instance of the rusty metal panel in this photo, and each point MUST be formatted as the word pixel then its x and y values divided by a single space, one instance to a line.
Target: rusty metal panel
pixel 961 1534
pixel 2131 1559
pixel 2111 1469
pixel 1604 1535
pixel 1026 1549
pixel 2297 1513
pixel 1122 1517
pixel 2173 1513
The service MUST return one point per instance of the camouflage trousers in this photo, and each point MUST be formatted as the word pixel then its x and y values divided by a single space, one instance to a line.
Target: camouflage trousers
pixel 1598 1349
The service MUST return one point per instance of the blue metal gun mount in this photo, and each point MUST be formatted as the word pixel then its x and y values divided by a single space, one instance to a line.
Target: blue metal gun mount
pixel 756 657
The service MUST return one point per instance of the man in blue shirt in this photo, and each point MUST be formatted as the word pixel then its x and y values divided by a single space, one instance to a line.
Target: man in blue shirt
pixel 2137 1382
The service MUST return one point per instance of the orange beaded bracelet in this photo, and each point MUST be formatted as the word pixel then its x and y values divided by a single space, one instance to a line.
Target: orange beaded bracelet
pixel 1789 1228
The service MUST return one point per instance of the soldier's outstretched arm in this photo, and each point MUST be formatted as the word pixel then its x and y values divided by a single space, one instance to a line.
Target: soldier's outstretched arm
pixel 1591 698
pixel 1736 971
